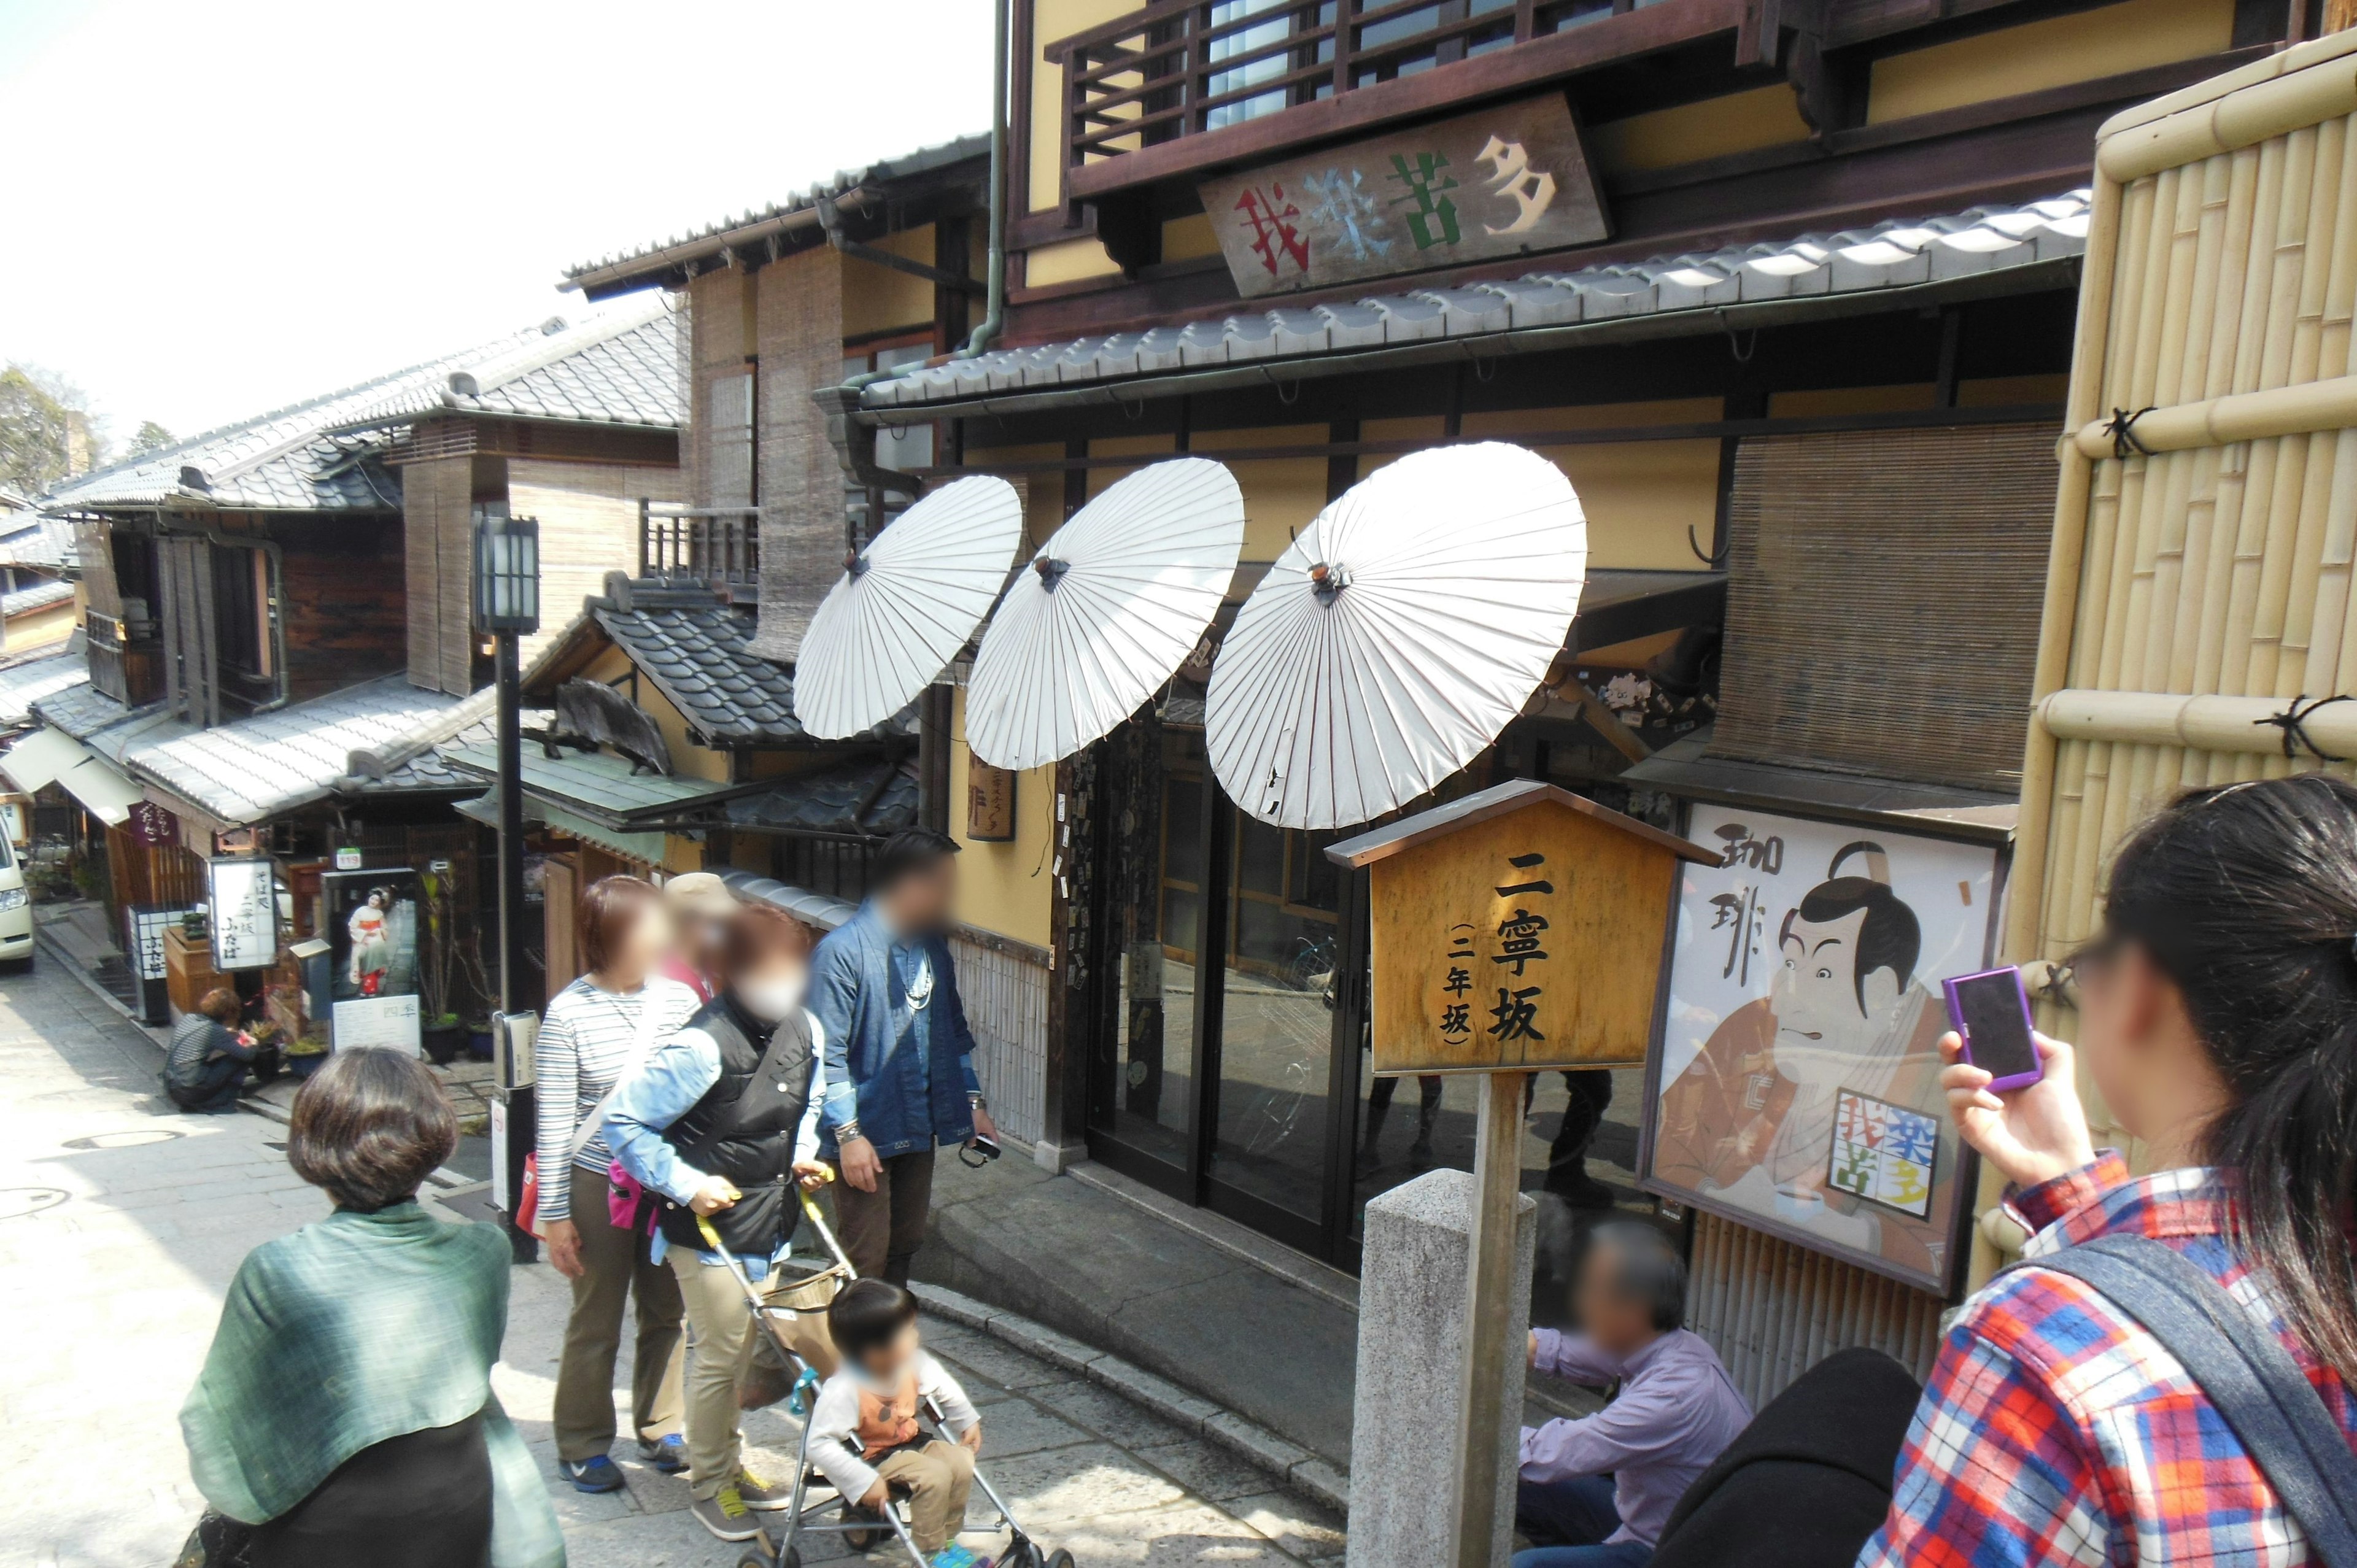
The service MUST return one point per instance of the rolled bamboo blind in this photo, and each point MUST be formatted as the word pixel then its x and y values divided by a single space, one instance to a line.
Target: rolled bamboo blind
pixel 2204 528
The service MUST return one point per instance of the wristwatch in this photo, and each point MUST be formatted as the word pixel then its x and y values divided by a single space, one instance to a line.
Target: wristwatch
pixel 847 1132
pixel 973 1099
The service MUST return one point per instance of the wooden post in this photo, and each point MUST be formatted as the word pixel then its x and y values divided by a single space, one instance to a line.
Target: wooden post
pixel 1489 1310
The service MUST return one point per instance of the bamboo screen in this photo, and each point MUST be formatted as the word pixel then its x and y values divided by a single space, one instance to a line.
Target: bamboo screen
pixel 2199 585
pixel 2200 569
pixel 1849 557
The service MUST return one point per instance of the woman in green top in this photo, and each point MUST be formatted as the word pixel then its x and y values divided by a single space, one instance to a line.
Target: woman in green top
pixel 345 1407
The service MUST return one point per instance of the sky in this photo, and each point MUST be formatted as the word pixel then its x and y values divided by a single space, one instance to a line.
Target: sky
pixel 213 209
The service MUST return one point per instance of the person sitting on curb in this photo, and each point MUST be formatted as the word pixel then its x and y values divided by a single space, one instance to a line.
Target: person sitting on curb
pixel 206 1070
pixel 1595 1492
pixel 864 1433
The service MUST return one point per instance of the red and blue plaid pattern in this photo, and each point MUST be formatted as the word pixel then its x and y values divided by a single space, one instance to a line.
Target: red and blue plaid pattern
pixel 2055 1430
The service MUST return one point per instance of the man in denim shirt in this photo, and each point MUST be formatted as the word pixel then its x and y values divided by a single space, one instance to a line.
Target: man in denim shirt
pixel 899 1059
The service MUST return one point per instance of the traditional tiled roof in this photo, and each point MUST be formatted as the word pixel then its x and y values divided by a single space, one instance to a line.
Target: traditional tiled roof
pixel 26 682
pixel 1891 254
pixel 620 368
pixel 29 538
pixel 304 457
pixel 628 268
pixel 697 651
pixel 80 709
pixel 37 596
pixel 876 796
pixel 257 768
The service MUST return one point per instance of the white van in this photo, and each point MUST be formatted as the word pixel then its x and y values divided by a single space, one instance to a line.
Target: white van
pixel 15 909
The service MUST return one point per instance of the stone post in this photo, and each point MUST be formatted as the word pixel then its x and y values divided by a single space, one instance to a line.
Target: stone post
pixel 1412 1287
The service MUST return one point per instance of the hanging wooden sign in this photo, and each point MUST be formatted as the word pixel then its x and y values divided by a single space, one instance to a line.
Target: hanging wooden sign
pixel 1519 929
pixel 989 803
pixel 152 824
pixel 1509 181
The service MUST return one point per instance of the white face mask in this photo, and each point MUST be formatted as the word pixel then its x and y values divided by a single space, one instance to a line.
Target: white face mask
pixel 773 999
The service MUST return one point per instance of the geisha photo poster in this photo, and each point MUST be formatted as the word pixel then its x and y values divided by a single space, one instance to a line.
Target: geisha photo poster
pixel 371 919
pixel 1796 1089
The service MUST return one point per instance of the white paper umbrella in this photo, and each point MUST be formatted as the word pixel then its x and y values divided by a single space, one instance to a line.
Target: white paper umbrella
pixel 905 605
pixel 1115 602
pixel 1401 632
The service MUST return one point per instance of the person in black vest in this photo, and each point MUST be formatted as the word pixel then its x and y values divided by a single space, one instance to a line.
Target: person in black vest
pixel 721 1122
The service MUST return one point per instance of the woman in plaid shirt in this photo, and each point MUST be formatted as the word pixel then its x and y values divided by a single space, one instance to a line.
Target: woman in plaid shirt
pixel 2218 1015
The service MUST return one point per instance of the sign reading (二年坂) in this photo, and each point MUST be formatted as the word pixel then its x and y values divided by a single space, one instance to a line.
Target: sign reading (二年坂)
pixel 1519 929
pixel 1499 182
pixel 244 914
pixel 989 802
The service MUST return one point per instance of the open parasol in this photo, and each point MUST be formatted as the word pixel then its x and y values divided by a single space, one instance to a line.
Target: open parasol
pixel 1401 632
pixel 905 605
pixel 1114 603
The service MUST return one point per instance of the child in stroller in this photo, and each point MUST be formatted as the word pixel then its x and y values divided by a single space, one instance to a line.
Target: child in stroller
pixel 865 1434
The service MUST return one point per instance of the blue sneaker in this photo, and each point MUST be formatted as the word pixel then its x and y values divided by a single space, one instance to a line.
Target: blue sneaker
pixel 668 1455
pixel 595 1474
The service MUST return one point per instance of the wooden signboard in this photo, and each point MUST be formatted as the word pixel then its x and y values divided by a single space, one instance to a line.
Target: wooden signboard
pixel 1518 929
pixel 989 802
pixel 1509 181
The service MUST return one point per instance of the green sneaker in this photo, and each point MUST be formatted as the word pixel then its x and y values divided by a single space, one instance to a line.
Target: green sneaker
pixel 724 1514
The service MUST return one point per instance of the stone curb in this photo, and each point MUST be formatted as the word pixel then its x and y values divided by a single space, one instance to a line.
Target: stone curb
pixel 1293 1465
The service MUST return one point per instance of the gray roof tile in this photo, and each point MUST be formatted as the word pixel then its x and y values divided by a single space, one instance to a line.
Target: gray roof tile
pixel 1889 255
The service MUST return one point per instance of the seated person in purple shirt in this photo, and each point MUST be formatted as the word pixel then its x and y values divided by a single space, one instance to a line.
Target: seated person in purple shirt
pixel 1595 1492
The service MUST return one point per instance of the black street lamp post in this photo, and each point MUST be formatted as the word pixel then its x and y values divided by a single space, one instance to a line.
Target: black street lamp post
pixel 507 606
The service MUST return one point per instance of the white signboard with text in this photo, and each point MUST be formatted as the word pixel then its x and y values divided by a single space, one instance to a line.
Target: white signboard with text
pixel 390 1021
pixel 243 914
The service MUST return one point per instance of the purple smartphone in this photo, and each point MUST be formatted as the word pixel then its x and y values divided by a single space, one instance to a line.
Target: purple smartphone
pixel 1991 1011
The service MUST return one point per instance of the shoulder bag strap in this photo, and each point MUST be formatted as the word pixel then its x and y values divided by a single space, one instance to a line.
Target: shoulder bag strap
pixel 2245 1370
pixel 641 1046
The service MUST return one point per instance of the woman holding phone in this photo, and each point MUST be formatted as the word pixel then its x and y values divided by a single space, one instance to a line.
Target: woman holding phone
pixel 2218 1019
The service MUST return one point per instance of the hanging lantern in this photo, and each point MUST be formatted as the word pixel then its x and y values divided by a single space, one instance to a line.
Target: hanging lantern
pixel 506 573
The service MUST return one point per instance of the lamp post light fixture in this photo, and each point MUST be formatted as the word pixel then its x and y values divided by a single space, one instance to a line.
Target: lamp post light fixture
pixel 507 606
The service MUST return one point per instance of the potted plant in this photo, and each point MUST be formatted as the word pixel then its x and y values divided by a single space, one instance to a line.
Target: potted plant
pixel 308 1051
pixel 443 1038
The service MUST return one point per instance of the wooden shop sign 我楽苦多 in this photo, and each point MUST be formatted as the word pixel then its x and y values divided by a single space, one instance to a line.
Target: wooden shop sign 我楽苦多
pixel 1512 180
pixel 1519 929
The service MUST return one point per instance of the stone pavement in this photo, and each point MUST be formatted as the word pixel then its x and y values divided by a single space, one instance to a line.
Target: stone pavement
pixel 122 1222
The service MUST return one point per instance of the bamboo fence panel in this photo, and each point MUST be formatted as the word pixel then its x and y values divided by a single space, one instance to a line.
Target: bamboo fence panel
pixel 2206 551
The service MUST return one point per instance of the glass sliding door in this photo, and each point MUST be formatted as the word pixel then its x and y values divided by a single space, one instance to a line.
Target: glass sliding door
pixel 1277 1017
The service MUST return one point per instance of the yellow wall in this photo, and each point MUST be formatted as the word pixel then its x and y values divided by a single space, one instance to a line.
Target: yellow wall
pixel 613 668
pixel 1662 138
pixel 1067 261
pixel 1184 239
pixel 1043 493
pixel 1051 20
pixel 1005 887
pixel 1640 497
pixel 876 297
pixel 1827 402
pixel 2049 53
pixel 1281 494
pixel 1146 448
pixel 50 624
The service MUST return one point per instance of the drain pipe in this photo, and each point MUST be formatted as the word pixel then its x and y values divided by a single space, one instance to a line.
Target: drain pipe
pixel 854 444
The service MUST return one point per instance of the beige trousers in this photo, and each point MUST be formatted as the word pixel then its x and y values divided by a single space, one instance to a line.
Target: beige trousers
pixel 937 1478
pixel 720 1351
pixel 615 1267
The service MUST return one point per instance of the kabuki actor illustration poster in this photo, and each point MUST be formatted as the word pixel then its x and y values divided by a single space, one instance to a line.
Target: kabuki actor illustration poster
pixel 1797 1086
pixel 372 932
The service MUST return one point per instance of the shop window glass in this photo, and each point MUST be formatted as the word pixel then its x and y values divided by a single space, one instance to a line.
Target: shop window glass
pixel 1143 1092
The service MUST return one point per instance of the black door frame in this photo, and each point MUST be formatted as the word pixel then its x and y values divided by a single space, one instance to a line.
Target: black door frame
pixel 1327 1235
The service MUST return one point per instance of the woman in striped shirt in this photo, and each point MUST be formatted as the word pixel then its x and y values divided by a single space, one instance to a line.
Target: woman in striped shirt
pixel 595 1032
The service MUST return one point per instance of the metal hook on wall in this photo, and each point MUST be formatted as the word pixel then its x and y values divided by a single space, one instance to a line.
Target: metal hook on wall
pixel 1716 563
pixel 1734 346
pixel 1270 378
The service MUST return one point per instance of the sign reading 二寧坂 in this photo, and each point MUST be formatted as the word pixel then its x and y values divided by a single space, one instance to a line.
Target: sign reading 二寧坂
pixel 1499 182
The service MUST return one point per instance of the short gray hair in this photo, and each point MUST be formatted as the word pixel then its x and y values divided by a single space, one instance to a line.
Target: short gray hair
pixel 1648 1269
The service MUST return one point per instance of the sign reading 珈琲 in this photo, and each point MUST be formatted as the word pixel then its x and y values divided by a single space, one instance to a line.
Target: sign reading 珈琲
pixel 1504 181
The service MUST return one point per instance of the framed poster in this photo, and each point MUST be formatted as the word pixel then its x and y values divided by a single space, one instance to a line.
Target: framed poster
pixel 371 929
pixel 1796 1087
pixel 243 914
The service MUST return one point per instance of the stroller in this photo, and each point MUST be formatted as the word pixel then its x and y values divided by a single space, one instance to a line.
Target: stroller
pixel 858 1531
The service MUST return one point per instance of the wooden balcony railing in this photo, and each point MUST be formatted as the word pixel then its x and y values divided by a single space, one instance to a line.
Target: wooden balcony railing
pixel 125 657
pixel 1178 70
pixel 720 546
